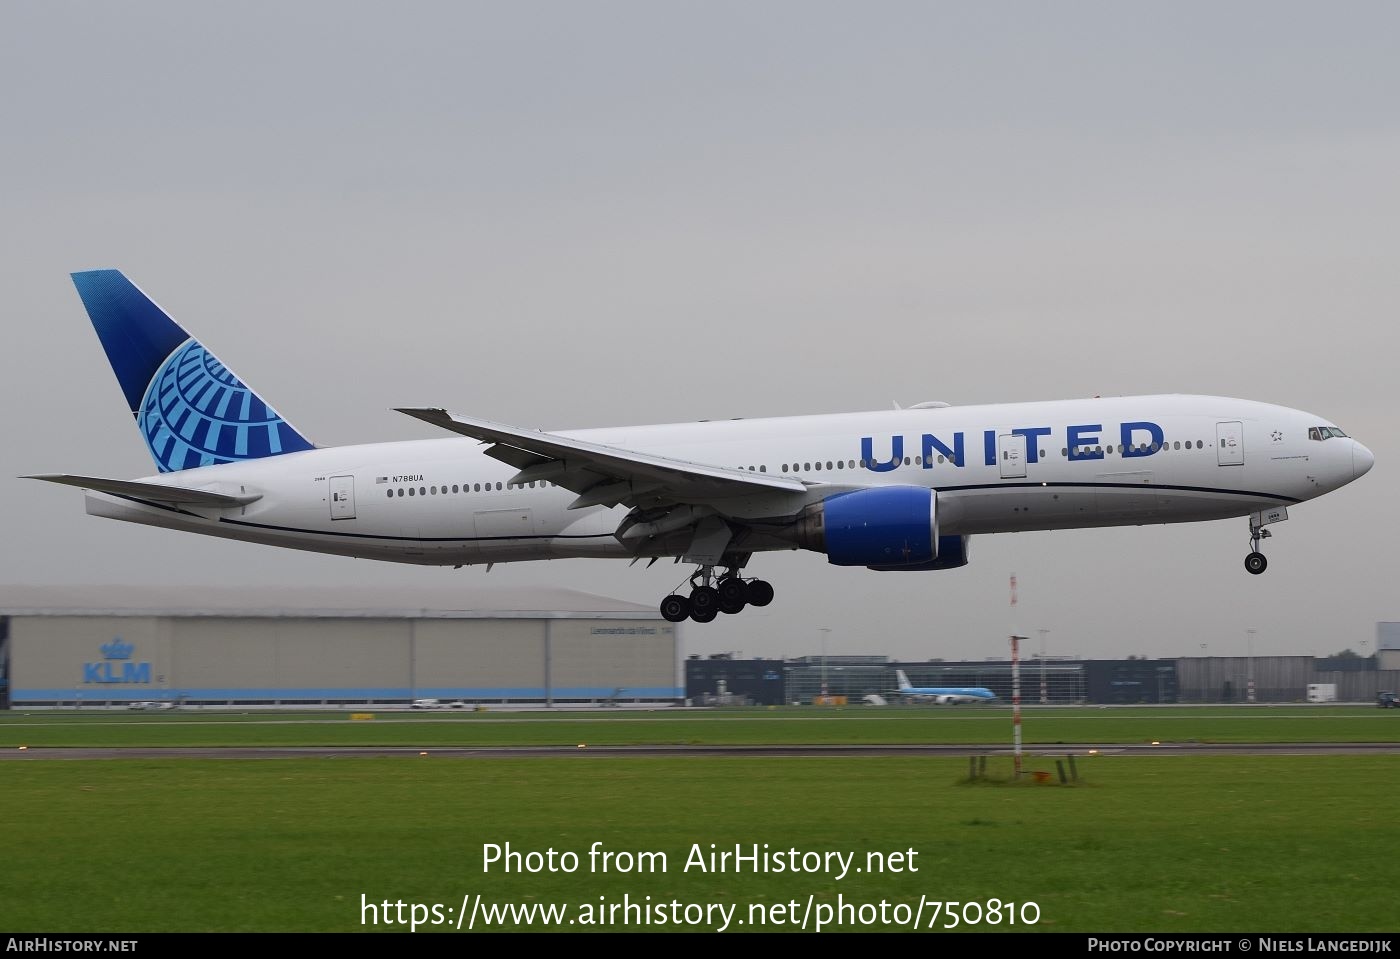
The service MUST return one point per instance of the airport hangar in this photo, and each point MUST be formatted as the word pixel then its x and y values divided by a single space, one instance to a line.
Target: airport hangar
pixel 111 646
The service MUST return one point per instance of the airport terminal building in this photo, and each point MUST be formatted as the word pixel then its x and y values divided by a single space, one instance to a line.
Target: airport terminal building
pixel 720 680
pixel 119 645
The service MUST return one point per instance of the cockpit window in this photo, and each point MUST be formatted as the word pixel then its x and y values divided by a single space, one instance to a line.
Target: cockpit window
pixel 1324 432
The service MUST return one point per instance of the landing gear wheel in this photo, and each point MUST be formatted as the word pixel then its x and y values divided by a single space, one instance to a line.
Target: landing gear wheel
pixel 675 608
pixel 733 594
pixel 704 617
pixel 760 592
pixel 704 599
pixel 1256 563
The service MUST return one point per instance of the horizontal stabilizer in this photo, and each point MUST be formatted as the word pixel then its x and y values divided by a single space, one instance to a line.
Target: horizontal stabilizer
pixel 152 492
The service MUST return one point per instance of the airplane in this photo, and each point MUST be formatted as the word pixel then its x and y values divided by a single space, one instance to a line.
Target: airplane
pixel 892 490
pixel 944 695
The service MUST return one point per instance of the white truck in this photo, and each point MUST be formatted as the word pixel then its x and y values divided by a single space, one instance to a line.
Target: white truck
pixel 1322 692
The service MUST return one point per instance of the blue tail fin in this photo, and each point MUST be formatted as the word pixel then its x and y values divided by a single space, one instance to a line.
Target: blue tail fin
pixel 191 409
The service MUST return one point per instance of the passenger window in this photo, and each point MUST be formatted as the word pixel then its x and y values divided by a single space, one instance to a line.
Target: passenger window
pixel 390 492
pixel 410 491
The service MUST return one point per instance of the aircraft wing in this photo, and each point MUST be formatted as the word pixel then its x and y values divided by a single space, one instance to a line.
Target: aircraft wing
pixel 151 492
pixel 608 475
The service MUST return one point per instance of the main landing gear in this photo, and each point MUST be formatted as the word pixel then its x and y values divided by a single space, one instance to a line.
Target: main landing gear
pixel 711 595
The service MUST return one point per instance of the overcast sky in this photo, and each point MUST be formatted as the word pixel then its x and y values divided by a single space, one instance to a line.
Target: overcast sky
pixel 564 215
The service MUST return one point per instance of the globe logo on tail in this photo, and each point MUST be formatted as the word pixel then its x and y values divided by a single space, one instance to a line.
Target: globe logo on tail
pixel 197 413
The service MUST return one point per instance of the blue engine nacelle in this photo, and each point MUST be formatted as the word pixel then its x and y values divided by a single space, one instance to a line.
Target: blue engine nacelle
pixel 888 528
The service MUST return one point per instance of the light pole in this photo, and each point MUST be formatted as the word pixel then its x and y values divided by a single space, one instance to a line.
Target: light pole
pixel 1249 671
pixel 825 631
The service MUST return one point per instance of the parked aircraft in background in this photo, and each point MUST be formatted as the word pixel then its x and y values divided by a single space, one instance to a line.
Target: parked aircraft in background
pixel 943 695
pixel 894 490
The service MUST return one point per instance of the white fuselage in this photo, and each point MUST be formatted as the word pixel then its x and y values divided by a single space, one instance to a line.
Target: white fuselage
pixel 1073 463
pixel 947 695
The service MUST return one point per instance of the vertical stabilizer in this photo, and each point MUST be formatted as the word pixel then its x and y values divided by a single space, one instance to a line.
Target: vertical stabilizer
pixel 191 409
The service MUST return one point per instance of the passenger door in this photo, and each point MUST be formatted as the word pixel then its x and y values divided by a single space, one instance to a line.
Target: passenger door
pixel 1011 454
pixel 1229 444
pixel 342 497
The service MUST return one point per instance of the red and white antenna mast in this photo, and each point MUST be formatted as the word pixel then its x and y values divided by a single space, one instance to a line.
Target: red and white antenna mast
pixel 1015 682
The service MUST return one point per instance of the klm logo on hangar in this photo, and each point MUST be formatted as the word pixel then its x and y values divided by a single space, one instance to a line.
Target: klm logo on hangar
pixel 116 666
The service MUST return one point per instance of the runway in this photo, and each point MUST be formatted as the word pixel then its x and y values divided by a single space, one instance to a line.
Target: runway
pixel 584 751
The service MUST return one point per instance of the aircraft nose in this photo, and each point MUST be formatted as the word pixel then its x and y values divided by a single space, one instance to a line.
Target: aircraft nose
pixel 1361 460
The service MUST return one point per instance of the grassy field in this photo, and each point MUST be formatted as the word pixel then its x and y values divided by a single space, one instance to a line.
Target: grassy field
pixel 1268 844
pixel 855 726
pixel 1285 844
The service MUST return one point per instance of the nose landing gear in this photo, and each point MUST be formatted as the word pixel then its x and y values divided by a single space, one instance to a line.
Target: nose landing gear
pixel 1255 562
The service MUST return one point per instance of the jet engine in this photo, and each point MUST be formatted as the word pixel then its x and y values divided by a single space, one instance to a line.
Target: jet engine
pixel 885 528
